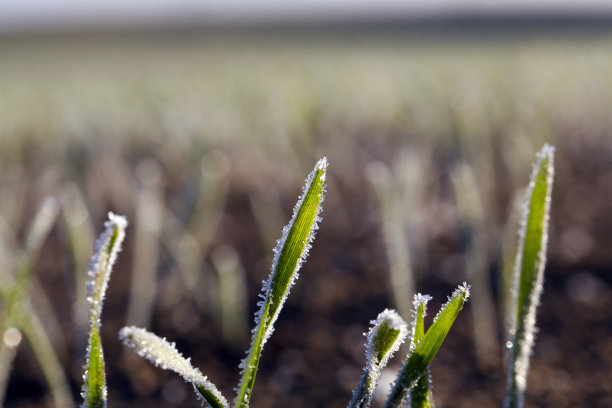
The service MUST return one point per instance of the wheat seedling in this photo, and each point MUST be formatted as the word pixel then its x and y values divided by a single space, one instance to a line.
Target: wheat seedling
pixel 289 254
pixel 165 355
pixel 421 355
pixel 420 394
pixel 20 320
pixel 386 335
pixel 106 249
pixel 528 274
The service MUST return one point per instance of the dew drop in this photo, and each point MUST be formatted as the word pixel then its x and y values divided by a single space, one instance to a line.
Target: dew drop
pixel 508 344
pixel 12 337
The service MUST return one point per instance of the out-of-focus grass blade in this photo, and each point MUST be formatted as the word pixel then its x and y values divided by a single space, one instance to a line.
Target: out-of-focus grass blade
pixel 420 357
pixel 529 273
pixel 289 254
pixel 386 335
pixel 420 395
pixel 16 302
pixel 165 355
pixel 106 249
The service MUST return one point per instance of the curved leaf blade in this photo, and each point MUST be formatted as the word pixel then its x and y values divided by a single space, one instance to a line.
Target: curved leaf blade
pixel 106 249
pixel 385 337
pixel 165 355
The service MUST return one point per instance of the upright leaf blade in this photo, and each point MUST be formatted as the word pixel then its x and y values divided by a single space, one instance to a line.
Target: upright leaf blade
pixel 289 254
pixel 529 273
pixel 420 357
pixel 106 249
pixel 386 335
pixel 420 395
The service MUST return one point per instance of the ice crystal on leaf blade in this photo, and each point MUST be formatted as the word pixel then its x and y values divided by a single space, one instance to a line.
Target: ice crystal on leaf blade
pixel 106 249
pixel 289 254
pixel 386 335
pixel 165 355
pixel 529 273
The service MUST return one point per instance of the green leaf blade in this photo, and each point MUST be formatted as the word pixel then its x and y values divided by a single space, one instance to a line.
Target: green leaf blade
pixel 294 247
pixel 385 337
pixel 529 274
pixel 106 249
pixel 95 387
pixel 420 394
pixel 424 352
pixel 289 254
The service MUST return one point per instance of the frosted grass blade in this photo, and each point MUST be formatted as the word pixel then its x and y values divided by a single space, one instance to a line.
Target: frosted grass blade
pixel 165 355
pixel 420 395
pixel 528 274
pixel 420 357
pixel 289 254
pixel 386 335
pixel 106 249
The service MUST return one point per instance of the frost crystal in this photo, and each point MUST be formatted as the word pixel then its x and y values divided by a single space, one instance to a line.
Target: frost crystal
pixel 165 355
pixel 462 290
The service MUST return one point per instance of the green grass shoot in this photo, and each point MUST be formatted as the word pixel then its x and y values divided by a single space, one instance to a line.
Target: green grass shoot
pixel 420 394
pixel 528 274
pixel 289 254
pixel 420 357
pixel 386 335
pixel 106 249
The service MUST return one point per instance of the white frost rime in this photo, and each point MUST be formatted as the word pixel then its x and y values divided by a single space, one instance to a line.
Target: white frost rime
pixel 165 355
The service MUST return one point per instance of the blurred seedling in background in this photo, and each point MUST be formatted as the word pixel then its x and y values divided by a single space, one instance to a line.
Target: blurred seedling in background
pixel 477 242
pixel 20 320
pixel 399 191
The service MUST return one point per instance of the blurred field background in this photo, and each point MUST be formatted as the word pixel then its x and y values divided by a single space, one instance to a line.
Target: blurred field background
pixel 203 140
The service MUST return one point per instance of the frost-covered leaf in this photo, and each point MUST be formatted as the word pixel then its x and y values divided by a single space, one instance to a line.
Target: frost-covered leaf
pixel 106 249
pixel 165 355
pixel 420 394
pixel 289 254
pixel 386 335
pixel 422 354
pixel 528 273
